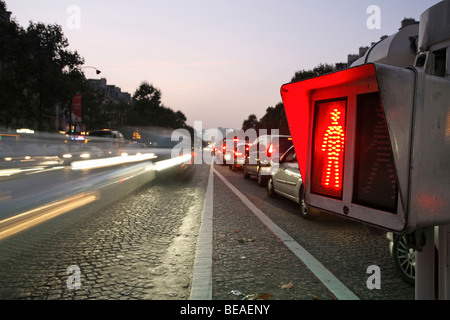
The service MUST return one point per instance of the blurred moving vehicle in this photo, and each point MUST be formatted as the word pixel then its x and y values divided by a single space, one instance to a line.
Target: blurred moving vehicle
pixel 262 152
pixel 78 152
pixel 110 141
pixel 287 182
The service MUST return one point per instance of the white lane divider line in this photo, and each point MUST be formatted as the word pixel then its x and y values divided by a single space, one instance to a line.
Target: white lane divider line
pixel 202 279
pixel 333 284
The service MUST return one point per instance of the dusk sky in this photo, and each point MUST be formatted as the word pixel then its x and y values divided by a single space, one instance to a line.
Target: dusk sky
pixel 216 61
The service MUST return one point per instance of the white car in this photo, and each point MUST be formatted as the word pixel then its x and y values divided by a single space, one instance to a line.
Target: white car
pixel 287 182
pixel 262 152
pixel 239 154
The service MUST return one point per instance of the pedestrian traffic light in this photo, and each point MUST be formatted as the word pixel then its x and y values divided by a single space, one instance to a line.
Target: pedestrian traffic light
pixel 373 144
pixel 328 146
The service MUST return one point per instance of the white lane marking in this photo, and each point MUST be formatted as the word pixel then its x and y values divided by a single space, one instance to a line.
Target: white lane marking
pixel 333 284
pixel 202 279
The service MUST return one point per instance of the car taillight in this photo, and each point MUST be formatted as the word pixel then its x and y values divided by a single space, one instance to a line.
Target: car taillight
pixel 329 142
pixel 270 150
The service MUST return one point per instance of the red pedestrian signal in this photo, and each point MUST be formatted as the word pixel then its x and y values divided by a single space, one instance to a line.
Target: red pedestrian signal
pixel 361 141
pixel 328 148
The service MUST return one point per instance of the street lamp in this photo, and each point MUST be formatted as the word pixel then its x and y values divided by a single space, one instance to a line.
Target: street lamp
pixel 96 70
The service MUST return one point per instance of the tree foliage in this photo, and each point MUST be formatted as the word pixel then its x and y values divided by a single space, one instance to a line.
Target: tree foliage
pixel 37 72
pixel 275 118
pixel 148 109
pixel 321 69
pixel 251 123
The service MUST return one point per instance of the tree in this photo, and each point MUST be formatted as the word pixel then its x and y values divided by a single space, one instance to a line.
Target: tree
pixel 251 123
pixel 11 75
pixel 37 72
pixel 147 101
pixel 275 118
pixel 148 109
pixel 321 69
pixel 54 72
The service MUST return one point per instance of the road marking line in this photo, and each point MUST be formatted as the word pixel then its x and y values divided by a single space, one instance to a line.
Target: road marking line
pixel 202 278
pixel 333 284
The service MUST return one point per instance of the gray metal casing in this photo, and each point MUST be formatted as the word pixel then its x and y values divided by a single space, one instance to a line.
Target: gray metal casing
pixel 416 108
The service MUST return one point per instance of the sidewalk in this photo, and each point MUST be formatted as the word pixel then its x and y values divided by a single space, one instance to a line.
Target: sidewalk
pixel 250 262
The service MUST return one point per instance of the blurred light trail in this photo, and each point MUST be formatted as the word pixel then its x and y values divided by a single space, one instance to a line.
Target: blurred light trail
pixel 31 218
pixel 12 171
pixel 106 162
pixel 165 164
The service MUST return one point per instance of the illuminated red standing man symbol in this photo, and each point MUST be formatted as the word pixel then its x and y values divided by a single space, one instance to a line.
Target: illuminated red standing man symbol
pixel 333 142
pixel 329 137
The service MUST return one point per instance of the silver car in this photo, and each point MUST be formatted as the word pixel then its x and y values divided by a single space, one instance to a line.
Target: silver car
pixel 261 154
pixel 287 182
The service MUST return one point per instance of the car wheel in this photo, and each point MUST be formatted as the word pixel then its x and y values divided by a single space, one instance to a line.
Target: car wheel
pixel 270 188
pixel 404 258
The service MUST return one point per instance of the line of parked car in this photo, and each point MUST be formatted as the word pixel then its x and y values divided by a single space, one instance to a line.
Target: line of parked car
pixel 273 161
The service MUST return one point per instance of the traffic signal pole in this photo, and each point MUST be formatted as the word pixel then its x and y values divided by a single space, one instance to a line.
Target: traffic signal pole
pixel 432 265
pixel 444 261
pixel 425 268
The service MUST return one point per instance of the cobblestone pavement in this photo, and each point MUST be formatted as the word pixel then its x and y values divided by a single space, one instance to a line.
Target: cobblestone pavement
pixel 140 247
pixel 143 247
pixel 250 259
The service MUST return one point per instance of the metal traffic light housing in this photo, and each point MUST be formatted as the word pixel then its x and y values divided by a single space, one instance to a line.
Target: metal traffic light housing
pixel 373 144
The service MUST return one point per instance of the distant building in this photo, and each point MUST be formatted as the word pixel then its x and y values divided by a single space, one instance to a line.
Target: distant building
pixel 112 93
pixel 353 57
pixel 340 66
pixel 115 103
pixel 407 22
